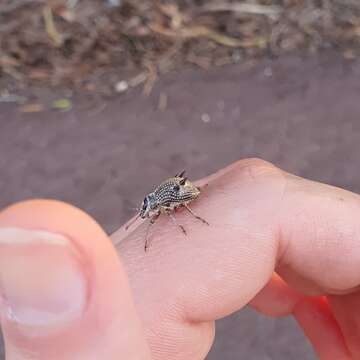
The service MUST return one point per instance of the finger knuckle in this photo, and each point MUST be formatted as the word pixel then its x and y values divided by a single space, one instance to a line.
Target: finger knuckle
pixel 258 169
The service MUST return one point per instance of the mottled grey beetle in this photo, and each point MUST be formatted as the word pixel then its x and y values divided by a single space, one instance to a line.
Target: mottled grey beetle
pixel 171 194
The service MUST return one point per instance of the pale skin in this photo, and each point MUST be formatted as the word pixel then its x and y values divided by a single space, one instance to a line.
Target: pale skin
pixel 283 244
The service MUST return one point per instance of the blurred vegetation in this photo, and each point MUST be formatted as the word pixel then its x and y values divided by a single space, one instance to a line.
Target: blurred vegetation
pixel 95 44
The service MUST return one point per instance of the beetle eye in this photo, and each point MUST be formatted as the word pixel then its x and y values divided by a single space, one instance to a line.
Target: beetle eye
pixel 176 187
pixel 145 203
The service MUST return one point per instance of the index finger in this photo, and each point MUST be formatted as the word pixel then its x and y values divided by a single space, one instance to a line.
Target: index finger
pixel 261 219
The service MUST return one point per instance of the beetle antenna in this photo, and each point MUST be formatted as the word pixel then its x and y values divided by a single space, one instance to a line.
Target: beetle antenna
pixel 132 221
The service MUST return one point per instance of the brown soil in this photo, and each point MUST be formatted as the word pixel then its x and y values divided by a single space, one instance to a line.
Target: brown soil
pixel 92 46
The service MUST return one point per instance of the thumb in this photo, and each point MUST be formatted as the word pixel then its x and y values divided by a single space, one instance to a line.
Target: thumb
pixel 63 292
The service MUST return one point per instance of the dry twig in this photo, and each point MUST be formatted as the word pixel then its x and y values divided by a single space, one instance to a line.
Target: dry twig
pixel 50 27
pixel 272 11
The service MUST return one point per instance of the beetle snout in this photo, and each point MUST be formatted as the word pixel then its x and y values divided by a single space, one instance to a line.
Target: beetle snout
pixel 144 208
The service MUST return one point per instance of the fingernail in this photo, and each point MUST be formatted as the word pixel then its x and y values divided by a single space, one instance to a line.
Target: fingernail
pixel 41 279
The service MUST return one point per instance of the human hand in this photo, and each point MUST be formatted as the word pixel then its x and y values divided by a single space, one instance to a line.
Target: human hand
pixel 284 244
pixel 69 298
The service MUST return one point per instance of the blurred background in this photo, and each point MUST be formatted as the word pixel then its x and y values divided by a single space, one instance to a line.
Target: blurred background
pixel 100 100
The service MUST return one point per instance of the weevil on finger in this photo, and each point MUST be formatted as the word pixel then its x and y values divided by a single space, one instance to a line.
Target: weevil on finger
pixel 170 195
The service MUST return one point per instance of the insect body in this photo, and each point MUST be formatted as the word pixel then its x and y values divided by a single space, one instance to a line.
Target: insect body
pixel 171 194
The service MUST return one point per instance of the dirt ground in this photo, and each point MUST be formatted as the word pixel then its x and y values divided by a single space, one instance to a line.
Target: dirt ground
pixel 300 113
pixel 105 46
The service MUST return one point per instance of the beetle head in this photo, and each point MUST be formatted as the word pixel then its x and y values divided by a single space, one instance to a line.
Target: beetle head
pixel 147 205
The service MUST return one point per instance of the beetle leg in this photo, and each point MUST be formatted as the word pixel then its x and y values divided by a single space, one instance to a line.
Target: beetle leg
pixel 202 187
pixel 151 222
pixel 195 215
pixel 132 221
pixel 172 217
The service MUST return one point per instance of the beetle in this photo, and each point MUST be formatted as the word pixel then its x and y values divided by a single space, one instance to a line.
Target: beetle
pixel 166 198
